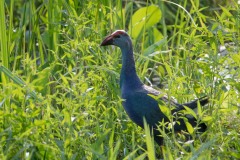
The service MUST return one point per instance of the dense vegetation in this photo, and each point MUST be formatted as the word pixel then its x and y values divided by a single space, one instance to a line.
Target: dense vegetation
pixel 59 96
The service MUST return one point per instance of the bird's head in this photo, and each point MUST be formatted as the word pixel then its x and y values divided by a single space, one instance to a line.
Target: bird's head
pixel 118 38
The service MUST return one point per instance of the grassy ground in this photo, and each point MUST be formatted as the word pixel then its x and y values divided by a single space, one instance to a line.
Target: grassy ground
pixel 59 96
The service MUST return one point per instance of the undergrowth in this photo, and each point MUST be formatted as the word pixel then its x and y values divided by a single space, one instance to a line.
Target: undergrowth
pixel 60 90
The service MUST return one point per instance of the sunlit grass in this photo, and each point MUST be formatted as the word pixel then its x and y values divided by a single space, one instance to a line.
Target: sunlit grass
pixel 60 97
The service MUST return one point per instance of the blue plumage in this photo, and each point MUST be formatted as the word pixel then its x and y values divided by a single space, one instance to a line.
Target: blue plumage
pixel 137 101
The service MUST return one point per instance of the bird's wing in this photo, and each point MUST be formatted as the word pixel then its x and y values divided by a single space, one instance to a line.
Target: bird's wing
pixel 156 115
pixel 172 102
pixel 193 104
pixel 162 97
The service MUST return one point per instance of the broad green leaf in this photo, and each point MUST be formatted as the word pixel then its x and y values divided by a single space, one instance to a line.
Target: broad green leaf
pixel 226 11
pixel 157 35
pixel 190 111
pixel 207 119
pixel 197 88
pixel 161 70
pixel 189 127
pixel 144 17
pixel 166 111
pixel 64 79
pixel 168 68
pixel 153 36
pixel 199 110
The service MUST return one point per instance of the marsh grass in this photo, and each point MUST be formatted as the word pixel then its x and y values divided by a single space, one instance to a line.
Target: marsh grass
pixel 59 89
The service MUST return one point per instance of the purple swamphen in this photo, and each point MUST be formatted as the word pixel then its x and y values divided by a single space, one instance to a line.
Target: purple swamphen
pixel 137 101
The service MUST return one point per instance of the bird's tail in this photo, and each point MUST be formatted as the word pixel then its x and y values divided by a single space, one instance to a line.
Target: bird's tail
pixel 203 100
pixel 193 104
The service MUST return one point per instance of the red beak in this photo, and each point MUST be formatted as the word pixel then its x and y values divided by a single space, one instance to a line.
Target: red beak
pixel 107 41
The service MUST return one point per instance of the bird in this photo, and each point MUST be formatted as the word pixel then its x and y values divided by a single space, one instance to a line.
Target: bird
pixel 138 98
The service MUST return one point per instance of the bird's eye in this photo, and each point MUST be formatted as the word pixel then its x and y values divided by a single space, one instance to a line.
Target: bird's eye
pixel 117 36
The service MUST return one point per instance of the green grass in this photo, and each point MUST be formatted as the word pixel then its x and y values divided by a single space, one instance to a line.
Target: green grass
pixel 60 96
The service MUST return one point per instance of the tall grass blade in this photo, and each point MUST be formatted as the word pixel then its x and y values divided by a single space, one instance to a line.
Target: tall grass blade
pixel 149 141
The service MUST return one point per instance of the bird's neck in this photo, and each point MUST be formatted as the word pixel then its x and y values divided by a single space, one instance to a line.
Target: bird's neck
pixel 129 78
